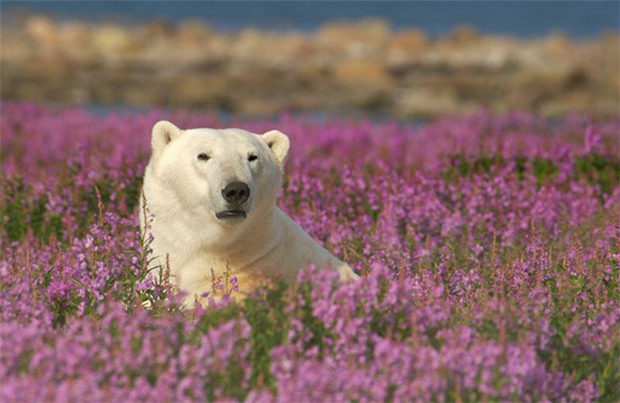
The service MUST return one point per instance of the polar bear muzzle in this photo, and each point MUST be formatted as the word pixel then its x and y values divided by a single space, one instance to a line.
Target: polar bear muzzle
pixel 236 195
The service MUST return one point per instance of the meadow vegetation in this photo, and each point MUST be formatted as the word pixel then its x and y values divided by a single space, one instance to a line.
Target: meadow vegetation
pixel 489 250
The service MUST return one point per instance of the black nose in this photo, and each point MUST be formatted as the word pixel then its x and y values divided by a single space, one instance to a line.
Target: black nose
pixel 236 193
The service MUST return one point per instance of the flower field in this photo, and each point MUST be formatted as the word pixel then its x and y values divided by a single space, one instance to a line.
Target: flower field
pixel 489 250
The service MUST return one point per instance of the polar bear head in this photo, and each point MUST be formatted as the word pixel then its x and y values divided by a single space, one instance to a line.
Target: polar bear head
pixel 219 180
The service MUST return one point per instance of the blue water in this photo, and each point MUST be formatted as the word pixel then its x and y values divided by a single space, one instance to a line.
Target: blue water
pixel 579 19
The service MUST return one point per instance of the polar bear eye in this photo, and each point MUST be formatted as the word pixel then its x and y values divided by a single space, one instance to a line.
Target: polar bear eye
pixel 252 158
pixel 203 157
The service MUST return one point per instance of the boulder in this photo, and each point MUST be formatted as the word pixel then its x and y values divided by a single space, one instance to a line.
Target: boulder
pixel 409 42
pixel 404 47
pixel 112 40
pixel 357 39
pixel 42 30
pixel 363 72
pixel 464 35
pixel 193 35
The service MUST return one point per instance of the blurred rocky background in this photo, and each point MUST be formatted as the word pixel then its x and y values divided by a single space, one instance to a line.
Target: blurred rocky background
pixel 356 66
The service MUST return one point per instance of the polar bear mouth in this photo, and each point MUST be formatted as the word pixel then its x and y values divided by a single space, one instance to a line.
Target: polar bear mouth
pixel 231 214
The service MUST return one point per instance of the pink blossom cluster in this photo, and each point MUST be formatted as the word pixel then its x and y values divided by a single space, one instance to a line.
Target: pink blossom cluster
pixel 488 246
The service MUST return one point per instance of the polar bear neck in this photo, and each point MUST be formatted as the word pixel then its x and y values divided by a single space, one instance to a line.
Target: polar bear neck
pixel 260 235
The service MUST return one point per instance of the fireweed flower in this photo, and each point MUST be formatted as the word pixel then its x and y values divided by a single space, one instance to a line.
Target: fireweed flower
pixel 488 246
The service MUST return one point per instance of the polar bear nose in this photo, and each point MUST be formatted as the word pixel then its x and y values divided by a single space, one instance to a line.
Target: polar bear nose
pixel 236 192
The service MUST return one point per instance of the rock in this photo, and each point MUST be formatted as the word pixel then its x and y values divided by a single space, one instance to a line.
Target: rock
pixel 158 29
pixel 143 96
pixel 260 107
pixel 193 34
pixel 464 35
pixel 404 47
pixel 429 102
pixel 295 46
pixel 410 42
pixel 74 40
pixel 271 50
pixel 249 45
pixel 356 39
pixel 111 40
pixel 219 47
pixel 198 90
pixel 362 72
pixel 13 49
pixel 42 30
pixel 50 67
pixel 74 34
pixel 156 34
pixel 557 44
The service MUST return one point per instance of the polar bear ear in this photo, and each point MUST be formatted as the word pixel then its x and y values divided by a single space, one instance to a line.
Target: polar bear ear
pixel 279 143
pixel 163 133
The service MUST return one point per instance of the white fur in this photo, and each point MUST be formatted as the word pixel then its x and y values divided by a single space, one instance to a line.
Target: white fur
pixel 184 194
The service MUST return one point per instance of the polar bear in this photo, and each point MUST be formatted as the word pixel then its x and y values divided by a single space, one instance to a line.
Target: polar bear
pixel 212 196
